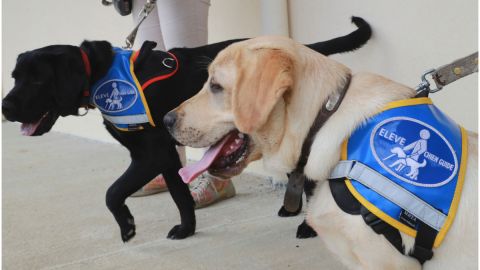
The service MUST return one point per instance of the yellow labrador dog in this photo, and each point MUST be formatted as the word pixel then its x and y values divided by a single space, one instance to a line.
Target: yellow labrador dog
pixel 260 100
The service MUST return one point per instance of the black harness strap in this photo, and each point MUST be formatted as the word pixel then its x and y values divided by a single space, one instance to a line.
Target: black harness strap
pixel 381 227
pixel 343 197
pixel 422 250
pixel 425 234
pixel 296 179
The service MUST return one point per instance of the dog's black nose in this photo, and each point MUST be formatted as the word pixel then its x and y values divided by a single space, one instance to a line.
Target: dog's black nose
pixel 7 108
pixel 169 120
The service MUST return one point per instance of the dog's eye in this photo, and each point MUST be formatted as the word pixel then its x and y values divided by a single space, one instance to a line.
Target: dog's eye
pixel 215 87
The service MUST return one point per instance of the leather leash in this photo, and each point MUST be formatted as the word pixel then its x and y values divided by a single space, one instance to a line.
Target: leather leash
pixel 449 73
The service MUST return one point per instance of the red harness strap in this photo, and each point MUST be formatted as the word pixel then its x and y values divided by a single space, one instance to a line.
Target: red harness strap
pixel 88 70
pixel 161 77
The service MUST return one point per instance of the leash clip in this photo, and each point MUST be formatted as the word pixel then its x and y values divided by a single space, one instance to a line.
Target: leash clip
pixel 425 84
pixel 86 111
pixel 143 14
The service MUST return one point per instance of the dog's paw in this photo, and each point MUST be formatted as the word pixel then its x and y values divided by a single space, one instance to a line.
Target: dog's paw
pixel 180 232
pixel 305 231
pixel 284 213
pixel 128 231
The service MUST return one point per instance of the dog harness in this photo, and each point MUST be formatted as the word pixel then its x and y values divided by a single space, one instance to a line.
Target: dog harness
pixel 406 166
pixel 119 95
pixel 296 178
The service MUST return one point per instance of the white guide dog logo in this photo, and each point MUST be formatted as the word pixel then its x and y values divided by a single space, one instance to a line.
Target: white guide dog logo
pixel 411 160
pixel 115 99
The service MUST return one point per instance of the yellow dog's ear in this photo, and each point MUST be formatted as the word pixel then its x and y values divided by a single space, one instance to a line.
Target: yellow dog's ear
pixel 261 83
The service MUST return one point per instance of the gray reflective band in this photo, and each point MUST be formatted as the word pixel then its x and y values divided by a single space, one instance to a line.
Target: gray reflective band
pixel 390 190
pixel 128 119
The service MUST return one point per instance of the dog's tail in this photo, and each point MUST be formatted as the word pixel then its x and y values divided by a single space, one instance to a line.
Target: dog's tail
pixel 350 42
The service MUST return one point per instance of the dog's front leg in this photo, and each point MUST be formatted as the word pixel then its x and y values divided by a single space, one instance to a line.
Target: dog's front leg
pixel 283 212
pixel 184 201
pixel 304 230
pixel 136 176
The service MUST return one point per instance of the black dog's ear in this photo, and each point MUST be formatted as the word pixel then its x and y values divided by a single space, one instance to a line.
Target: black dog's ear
pixel 144 53
pixel 100 54
pixel 70 80
pixel 70 73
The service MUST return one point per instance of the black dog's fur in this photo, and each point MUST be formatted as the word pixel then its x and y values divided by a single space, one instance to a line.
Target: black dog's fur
pixel 52 79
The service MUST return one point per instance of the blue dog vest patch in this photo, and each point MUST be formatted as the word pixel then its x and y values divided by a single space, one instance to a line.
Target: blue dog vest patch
pixel 119 95
pixel 420 149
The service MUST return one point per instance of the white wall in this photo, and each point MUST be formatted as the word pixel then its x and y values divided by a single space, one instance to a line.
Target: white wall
pixel 409 37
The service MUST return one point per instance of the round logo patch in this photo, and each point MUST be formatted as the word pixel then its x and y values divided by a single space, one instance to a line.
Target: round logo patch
pixel 115 96
pixel 414 152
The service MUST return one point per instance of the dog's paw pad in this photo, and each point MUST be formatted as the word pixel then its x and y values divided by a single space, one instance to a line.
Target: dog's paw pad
pixel 128 235
pixel 180 232
pixel 305 231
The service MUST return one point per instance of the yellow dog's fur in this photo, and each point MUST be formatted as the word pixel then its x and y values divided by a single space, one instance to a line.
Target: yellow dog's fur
pixel 271 89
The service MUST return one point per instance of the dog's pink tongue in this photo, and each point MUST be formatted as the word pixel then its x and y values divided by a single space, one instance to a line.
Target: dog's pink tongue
pixel 192 171
pixel 27 129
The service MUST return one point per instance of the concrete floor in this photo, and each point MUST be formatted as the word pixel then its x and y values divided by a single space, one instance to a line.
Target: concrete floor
pixel 54 216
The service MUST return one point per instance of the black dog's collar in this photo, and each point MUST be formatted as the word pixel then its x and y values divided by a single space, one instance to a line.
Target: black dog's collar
pixel 296 179
pixel 88 71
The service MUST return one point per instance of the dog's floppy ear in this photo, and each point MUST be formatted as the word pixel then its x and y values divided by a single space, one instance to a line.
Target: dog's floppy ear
pixel 70 81
pixel 100 54
pixel 260 86
pixel 70 72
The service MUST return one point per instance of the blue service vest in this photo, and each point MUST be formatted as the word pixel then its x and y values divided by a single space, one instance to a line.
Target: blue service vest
pixel 119 95
pixel 415 145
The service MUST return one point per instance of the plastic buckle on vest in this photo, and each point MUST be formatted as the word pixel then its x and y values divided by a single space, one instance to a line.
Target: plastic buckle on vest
pixel 377 225
pixel 135 127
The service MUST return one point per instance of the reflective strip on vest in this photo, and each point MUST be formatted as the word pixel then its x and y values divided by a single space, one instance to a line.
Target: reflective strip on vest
pixel 391 191
pixel 407 164
pixel 127 119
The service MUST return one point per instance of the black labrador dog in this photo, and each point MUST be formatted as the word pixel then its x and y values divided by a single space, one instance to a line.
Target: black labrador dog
pixel 51 82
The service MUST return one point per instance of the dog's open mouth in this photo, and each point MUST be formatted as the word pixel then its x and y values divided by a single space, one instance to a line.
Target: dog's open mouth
pixel 225 158
pixel 30 129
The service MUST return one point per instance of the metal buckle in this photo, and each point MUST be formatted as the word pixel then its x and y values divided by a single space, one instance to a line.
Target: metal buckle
pixel 147 8
pixel 86 111
pixel 164 62
pixel 425 84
